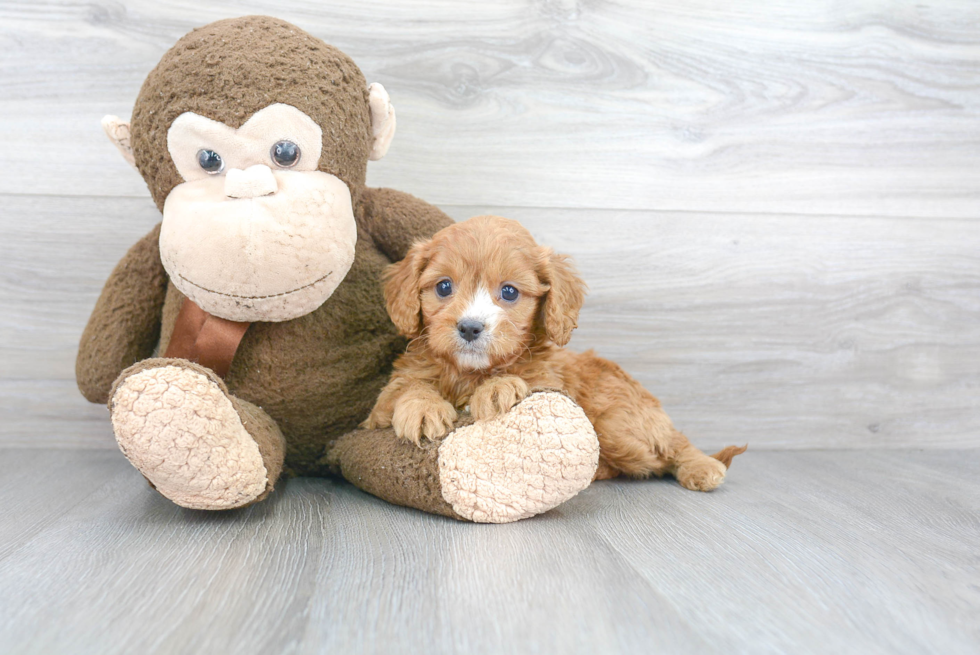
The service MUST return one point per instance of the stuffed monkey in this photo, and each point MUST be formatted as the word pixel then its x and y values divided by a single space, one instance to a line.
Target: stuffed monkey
pixel 246 336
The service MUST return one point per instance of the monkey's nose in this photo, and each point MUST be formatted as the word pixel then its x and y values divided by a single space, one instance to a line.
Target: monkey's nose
pixel 469 329
pixel 253 182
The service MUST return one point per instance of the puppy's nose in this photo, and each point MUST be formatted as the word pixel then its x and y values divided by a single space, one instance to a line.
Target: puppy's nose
pixel 253 182
pixel 469 329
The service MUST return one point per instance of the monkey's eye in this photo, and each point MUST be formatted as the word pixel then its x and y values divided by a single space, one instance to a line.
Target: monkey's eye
pixel 444 288
pixel 285 154
pixel 509 293
pixel 210 161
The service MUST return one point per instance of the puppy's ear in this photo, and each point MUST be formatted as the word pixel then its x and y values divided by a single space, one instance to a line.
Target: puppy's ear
pixel 559 311
pixel 402 293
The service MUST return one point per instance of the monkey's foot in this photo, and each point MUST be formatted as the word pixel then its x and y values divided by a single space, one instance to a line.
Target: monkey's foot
pixel 525 462
pixel 178 426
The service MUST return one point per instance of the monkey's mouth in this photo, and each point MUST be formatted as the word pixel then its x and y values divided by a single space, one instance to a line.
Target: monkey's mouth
pixel 263 297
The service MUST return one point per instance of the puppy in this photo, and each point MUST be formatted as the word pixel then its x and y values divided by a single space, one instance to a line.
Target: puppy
pixel 488 310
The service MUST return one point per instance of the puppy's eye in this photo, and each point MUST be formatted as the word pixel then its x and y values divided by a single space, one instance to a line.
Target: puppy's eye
pixel 509 293
pixel 444 288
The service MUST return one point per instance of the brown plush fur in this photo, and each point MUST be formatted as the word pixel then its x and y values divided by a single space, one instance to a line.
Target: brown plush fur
pixel 228 70
pixel 392 469
pixel 130 305
pixel 521 346
pixel 316 376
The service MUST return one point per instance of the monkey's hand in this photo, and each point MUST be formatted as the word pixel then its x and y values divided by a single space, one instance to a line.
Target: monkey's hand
pixel 497 395
pixel 124 327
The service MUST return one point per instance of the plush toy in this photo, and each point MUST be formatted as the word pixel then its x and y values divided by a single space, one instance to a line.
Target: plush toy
pixel 246 336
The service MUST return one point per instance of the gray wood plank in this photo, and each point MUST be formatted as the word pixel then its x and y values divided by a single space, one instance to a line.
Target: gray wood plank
pixel 321 568
pixel 804 552
pixel 778 107
pixel 838 528
pixel 40 487
pixel 781 331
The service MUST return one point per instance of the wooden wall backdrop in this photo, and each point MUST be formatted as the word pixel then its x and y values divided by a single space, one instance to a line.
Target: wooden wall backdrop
pixel 776 204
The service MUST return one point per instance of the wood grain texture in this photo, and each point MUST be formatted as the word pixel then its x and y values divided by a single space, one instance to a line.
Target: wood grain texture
pixel 869 108
pixel 55 255
pixel 806 552
pixel 778 331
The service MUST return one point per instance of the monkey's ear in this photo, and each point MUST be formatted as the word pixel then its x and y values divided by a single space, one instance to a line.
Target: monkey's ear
pixel 402 293
pixel 382 120
pixel 118 132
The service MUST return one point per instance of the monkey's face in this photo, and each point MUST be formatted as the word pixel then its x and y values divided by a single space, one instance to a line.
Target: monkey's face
pixel 258 223
pixel 255 232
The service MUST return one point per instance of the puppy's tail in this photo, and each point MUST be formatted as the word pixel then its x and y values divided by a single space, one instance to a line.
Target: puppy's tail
pixel 726 455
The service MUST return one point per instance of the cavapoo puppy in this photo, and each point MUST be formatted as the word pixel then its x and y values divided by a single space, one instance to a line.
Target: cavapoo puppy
pixel 488 311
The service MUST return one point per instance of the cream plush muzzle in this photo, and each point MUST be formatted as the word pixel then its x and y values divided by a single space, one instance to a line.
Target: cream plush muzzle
pixel 255 241
pixel 271 258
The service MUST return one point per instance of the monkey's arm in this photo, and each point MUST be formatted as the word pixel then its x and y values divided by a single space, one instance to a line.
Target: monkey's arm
pixel 396 220
pixel 124 327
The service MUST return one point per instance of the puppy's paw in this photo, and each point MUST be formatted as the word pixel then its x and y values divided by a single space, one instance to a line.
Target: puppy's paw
pixel 415 418
pixel 703 474
pixel 496 396
pixel 377 419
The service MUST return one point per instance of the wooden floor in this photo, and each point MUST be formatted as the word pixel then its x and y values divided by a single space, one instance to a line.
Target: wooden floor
pixel 799 552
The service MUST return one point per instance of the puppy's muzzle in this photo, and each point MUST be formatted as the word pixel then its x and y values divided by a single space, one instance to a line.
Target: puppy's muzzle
pixel 469 329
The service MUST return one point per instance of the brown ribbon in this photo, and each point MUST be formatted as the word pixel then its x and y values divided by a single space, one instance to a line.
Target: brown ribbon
pixel 208 340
